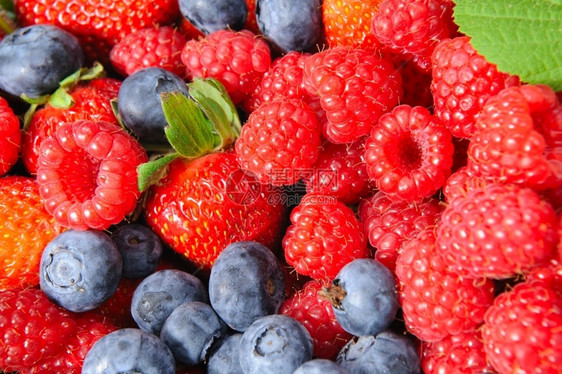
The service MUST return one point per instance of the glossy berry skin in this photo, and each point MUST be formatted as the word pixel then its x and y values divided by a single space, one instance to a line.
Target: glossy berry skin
pixel 386 352
pixel 97 25
pixel 224 355
pixel 60 339
pixel 355 87
pixel 246 283
pixel 462 81
pixel 160 293
pixel 521 329
pixel 185 217
pixel 390 224
pixel 91 101
pixel 190 330
pixel 279 142
pixel 237 59
pixel 87 174
pixel 409 153
pixel 324 235
pixel 293 25
pixel 140 249
pixel 364 297
pixel 36 58
pixel 25 231
pixel 275 344
pixel 10 137
pixel 149 47
pixel 80 270
pixel 129 350
pixel 320 366
pixel 497 231
pixel 316 314
pixel 214 15
pixel 145 118
pixel 516 138
pixel 435 300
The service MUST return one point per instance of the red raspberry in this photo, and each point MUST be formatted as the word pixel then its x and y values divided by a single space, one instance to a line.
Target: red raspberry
pixel 41 337
pixel 87 174
pixel 460 354
pixel 317 314
pixel 279 142
pixel 412 28
pixel 389 224
pixel 324 235
pixel 238 59
pixel 340 171
pixel 149 47
pixel 416 84
pixel 522 330
pixel 435 300
pixel 355 87
pixel 10 137
pixel 497 231
pixel 461 182
pixel 409 153
pixel 516 139
pixel 462 82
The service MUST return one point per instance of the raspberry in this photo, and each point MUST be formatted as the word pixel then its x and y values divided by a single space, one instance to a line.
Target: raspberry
pixel 462 81
pixel 279 142
pixel 238 59
pixel 10 137
pixel 317 315
pixel 87 174
pixel 416 84
pixel 461 182
pixel 355 87
pixel 516 139
pixel 409 153
pixel 522 331
pixel 435 300
pixel 412 28
pixel 324 235
pixel 149 47
pixel 389 224
pixel 497 231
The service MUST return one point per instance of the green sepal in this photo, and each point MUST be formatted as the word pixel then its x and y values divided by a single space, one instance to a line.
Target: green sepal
pixel 8 22
pixel 152 171
pixel 7 5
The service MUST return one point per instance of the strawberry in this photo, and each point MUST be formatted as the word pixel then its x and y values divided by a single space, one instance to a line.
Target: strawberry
pixel 97 24
pixel 10 137
pixel 25 230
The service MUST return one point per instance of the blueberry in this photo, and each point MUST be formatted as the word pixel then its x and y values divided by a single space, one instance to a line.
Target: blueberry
pixel 80 270
pixel 139 105
pixel 129 350
pixel 291 25
pixel 246 282
pixel 320 366
pixel 36 58
pixel 364 297
pixel 213 15
pixel 190 330
pixel 140 249
pixel 224 355
pixel 160 293
pixel 387 352
pixel 274 344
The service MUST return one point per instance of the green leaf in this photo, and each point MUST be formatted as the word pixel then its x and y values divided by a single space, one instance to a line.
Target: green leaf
pixel 152 171
pixel 522 37
pixel 7 5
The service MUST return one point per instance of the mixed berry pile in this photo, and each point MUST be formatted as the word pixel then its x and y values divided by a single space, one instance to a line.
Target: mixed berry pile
pixel 278 187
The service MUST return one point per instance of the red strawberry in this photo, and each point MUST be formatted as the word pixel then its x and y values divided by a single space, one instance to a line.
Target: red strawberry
pixel 409 153
pixel 10 137
pixel 355 86
pixel 316 314
pixel 149 47
pixel 91 101
pixel 324 235
pixel 97 24
pixel 25 230
pixel 87 174
pixel 41 337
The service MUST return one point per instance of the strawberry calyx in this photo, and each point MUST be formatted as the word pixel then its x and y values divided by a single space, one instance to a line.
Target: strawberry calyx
pixel 205 122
